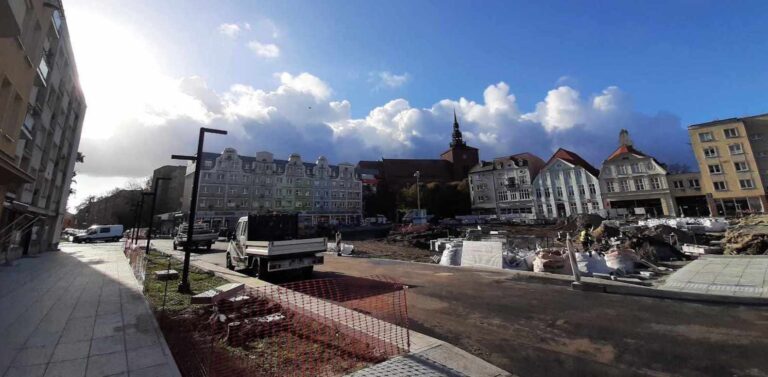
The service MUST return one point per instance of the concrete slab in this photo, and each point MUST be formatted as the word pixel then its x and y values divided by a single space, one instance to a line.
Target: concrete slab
pixel 743 276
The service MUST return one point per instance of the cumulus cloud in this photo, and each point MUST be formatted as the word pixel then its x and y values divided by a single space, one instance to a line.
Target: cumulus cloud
pixel 233 30
pixel 300 115
pixel 388 80
pixel 265 50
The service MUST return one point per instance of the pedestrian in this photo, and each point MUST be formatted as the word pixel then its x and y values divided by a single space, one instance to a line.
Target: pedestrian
pixel 585 237
pixel 338 243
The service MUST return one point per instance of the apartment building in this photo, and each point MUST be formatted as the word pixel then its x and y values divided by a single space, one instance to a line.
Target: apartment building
pixel 232 186
pixel 41 117
pixel 636 182
pixel 733 158
pixel 567 185
pixel 504 186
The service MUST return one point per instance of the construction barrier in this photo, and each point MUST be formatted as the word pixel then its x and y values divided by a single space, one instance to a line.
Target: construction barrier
pixel 324 327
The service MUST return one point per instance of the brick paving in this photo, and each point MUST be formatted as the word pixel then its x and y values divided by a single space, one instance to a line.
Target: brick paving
pixel 723 275
pixel 78 312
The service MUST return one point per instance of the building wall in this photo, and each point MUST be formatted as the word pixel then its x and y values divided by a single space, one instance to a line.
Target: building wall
pixel 45 126
pixel 563 189
pixel 630 177
pixel 169 192
pixel 232 186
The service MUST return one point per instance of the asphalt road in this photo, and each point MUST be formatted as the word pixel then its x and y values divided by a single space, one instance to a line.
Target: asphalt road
pixel 535 329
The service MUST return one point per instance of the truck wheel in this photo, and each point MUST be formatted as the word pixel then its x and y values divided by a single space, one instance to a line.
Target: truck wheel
pixel 306 272
pixel 174 246
pixel 208 247
pixel 230 266
pixel 263 272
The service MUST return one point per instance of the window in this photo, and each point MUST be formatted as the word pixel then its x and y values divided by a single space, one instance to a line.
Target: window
pixel 525 194
pixel 609 187
pixel 735 148
pixel 208 164
pixel 103 230
pixel 719 186
pixel 730 133
pixel 219 190
pixel 513 195
pixel 705 136
pixel 678 184
pixel 207 176
pixel 595 206
pixel 581 190
pixel 584 208
pixel 756 136
pixel 715 169
pixel 245 190
pixel 503 195
pixel 623 169
pixel 202 203
pixel 570 191
pixel 546 192
pixel 592 189
pixel 538 193
pixel 710 152
pixel 523 180
pixel 220 177
pixel 740 166
pixel 694 183
pixel 636 168
pixel 639 184
pixel 746 184
pixel 573 208
pixel 559 191
pixel 624 185
pixel 656 183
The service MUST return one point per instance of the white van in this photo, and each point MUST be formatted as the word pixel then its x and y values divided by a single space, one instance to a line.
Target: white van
pixel 105 233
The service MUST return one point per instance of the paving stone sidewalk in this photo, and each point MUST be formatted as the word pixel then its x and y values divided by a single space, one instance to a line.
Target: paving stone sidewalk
pixel 78 312
pixel 741 275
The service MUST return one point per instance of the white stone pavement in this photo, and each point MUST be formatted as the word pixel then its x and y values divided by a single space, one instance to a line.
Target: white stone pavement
pixel 741 275
pixel 78 312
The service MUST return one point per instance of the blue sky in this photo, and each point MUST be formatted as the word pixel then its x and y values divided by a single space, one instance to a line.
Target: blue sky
pixel 575 70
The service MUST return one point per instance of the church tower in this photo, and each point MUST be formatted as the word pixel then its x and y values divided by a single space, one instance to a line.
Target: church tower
pixel 461 156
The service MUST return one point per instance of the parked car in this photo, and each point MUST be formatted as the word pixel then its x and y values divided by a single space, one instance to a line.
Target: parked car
pixel 104 233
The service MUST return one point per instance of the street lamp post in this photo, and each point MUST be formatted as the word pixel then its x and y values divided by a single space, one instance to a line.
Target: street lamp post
pixel 152 208
pixel 137 220
pixel 184 284
pixel 418 194
pixel 141 212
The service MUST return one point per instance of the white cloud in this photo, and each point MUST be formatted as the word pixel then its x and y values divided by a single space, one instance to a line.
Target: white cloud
pixel 388 80
pixel 232 30
pixel 266 50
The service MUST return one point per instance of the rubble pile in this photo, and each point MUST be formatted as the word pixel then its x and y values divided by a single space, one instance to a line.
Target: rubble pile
pixel 577 222
pixel 418 236
pixel 748 236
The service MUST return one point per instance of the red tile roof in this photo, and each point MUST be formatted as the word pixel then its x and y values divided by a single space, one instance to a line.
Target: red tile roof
pixel 625 149
pixel 574 159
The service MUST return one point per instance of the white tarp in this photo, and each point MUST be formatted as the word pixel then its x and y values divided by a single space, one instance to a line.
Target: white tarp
pixel 482 253
pixel 451 254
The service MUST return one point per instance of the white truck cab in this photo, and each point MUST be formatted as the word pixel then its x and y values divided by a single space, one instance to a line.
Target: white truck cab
pixel 105 233
pixel 270 244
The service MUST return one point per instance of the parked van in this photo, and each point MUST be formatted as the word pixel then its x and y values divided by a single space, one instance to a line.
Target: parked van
pixel 104 233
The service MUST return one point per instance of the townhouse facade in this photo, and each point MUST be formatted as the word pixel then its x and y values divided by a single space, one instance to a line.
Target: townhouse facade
pixel 635 182
pixel 42 108
pixel 232 186
pixel 504 186
pixel 567 185
pixel 732 155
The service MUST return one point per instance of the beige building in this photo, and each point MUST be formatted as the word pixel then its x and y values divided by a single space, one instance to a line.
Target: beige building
pixel 41 117
pixel 689 196
pixel 733 159
pixel 504 186
pixel 636 182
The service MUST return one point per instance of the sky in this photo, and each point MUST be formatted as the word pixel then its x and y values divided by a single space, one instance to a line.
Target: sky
pixel 356 80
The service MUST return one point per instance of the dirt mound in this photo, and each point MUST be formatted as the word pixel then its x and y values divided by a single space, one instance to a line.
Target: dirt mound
pixel 605 231
pixel 748 236
pixel 577 222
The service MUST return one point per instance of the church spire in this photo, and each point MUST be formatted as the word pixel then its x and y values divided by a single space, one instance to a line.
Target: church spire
pixel 457 139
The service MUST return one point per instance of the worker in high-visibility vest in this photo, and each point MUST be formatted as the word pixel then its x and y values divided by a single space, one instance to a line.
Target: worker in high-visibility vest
pixel 585 237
